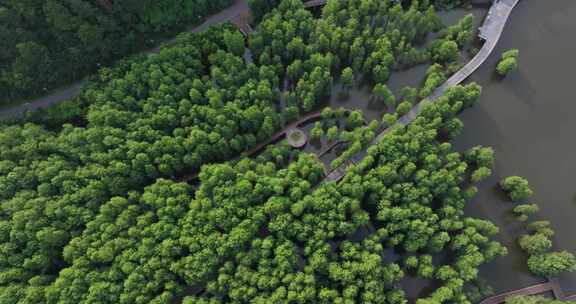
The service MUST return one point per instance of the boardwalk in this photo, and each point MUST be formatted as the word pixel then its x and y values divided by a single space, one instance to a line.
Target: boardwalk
pixel 275 137
pixel 552 285
pixel 491 31
pixel 314 3
pixel 234 12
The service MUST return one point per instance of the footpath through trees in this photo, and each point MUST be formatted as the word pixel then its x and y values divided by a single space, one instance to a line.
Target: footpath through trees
pixel 236 14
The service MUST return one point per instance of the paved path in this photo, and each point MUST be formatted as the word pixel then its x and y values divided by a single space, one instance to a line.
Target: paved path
pixel 234 12
pixel 491 31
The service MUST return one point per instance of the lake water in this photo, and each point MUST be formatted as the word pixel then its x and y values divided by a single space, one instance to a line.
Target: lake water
pixel 529 118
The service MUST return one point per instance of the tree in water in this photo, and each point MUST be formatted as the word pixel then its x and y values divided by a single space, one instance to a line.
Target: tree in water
pixel 508 62
pixel 552 264
pixel 516 187
pixel 382 93
pixel 347 78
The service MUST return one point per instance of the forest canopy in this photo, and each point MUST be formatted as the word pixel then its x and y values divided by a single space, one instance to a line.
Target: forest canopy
pixel 50 42
pixel 93 211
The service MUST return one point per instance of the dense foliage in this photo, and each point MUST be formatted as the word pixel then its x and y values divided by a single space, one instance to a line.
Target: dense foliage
pixel 48 42
pixel 77 226
pixel 255 232
pixel 516 187
pixel 191 104
pixel 508 62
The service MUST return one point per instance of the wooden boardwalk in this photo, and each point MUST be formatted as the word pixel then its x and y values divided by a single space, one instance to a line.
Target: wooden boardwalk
pixel 491 31
pixel 275 137
pixel 552 285
pixel 235 12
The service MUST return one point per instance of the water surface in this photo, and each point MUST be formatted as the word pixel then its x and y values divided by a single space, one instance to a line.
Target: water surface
pixel 529 118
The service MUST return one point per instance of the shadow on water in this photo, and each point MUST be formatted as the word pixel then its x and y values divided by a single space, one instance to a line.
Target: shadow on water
pixel 528 118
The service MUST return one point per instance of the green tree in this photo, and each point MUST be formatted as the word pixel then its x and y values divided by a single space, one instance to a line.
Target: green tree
pixel 534 243
pixel 355 120
pixel 481 174
pixel 382 93
pixel 522 212
pixel 516 187
pixel 317 131
pixel 446 51
pixel 234 42
pixel 347 78
pixel 332 133
pixel 552 264
pixel 403 108
pixel 508 62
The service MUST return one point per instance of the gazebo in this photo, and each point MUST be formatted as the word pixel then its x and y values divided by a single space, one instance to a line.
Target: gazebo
pixel 297 138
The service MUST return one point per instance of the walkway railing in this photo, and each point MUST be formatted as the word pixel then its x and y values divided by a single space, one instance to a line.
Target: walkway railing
pixel 552 285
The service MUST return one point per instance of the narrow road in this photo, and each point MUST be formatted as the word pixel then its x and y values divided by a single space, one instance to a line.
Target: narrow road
pixel 491 31
pixel 72 90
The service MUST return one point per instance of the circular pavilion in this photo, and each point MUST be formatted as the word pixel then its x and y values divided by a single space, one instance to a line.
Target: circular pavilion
pixel 297 138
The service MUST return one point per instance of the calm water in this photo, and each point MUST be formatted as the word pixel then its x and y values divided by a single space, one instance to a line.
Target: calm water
pixel 529 118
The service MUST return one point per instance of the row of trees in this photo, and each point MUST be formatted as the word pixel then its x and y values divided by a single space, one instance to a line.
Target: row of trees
pixel 46 43
pixel 537 242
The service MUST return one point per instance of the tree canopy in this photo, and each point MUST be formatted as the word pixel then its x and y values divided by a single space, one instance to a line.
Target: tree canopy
pixel 48 43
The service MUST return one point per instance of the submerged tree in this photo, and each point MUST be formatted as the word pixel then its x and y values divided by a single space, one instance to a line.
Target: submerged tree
pixel 508 62
pixel 516 187
pixel 382 93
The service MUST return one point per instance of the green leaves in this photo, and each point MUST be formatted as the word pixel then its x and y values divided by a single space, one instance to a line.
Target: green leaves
pixel 508 62
pixel 516 187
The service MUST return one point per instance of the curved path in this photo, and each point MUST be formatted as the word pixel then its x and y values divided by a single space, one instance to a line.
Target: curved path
pixel 314 3
pixel 233 13
pixel 553 285
pixel 491 31
pixel 275 137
